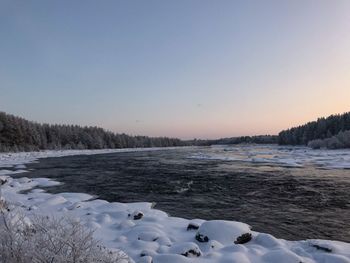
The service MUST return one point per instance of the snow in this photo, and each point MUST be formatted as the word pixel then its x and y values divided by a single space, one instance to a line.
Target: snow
pixel 225 232
pixel 150 235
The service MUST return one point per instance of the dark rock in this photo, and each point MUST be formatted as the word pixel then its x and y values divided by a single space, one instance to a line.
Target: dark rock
pixel 201 238
pixel 192 226
pixel 325 249
pixel 145 253
pixel 138 216
pixel 191 253
pixel 245 238
pixel 3 181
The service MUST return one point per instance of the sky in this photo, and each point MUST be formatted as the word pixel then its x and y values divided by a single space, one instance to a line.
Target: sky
pixel 184 68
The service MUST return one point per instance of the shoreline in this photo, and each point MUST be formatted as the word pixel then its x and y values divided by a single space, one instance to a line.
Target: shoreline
pixel 148 234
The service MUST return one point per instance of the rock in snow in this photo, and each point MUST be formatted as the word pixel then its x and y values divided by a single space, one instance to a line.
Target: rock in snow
pixel 225 232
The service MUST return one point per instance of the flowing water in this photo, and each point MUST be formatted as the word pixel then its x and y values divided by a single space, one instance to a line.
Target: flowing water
pixel 291 193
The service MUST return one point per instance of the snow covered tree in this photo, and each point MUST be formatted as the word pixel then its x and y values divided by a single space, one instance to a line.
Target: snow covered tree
pixel 18 134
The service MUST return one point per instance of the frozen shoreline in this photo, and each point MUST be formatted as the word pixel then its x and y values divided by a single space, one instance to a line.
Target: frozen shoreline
pixel 148 234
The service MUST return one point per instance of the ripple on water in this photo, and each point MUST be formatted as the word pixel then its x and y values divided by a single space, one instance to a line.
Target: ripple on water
pixel 288 202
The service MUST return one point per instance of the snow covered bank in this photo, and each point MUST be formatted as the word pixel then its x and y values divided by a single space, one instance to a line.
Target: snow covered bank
pixel 150 235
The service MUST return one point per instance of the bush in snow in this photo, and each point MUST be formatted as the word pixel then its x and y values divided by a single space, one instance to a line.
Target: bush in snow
pixel 341 140
pixel 54 240
pixel 3 205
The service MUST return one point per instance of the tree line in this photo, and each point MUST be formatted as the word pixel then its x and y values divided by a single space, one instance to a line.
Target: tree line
pixel 19 134
pixel 259 139
pixel 327 132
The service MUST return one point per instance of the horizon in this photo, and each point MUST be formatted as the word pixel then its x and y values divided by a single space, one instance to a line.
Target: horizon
pixel 184 139
pixel 177 69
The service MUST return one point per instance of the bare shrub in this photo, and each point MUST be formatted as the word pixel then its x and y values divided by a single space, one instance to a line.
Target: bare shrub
pixel 51 240
pixel 3 205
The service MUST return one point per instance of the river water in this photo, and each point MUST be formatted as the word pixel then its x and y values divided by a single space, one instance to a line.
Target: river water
pixel 292 193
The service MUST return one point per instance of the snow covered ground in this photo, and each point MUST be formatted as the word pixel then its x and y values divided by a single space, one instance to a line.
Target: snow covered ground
pixel 150 235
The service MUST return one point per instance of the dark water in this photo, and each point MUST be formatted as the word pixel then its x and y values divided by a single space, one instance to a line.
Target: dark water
pixel 290 203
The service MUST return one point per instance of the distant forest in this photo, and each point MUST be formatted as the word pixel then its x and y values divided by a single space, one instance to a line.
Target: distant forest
pixel 332 132
pixel 18 134
pixel 259 139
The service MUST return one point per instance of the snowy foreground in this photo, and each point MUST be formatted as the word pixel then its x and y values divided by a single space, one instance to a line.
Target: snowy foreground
pixel 150 235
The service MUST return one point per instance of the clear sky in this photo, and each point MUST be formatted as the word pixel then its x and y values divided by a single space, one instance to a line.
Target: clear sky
pixel 183 68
